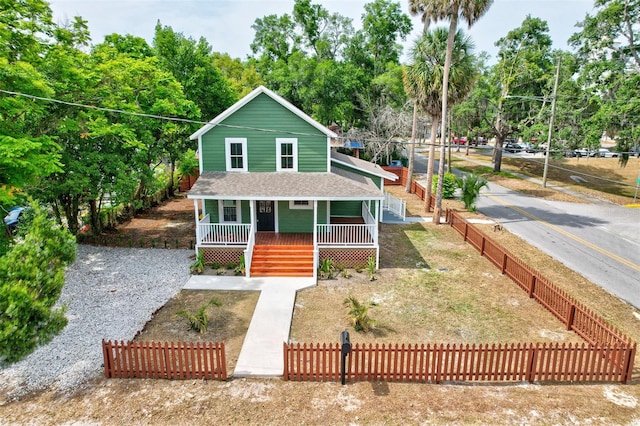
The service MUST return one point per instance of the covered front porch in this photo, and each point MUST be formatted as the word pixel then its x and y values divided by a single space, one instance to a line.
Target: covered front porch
pixel 347 240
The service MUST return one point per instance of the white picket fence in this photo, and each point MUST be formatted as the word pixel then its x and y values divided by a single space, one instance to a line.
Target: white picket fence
pixel 395 205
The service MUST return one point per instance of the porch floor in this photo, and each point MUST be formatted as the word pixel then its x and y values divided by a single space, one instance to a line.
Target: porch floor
pixel 283 239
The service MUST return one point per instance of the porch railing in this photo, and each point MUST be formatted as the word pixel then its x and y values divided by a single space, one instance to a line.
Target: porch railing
pixel 395 205
pixel 215 234
pixel 346 235
pixel 366 214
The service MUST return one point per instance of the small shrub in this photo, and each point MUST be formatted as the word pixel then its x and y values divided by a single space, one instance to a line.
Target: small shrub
pixel 371 268
pixel 240 267
pixel 471 185
pixel 345 273
pixel 215 265
pixel 197 267
pixel 326 269
pixel 230 265
pixel 358 314
pixel 199 320
pixel 449 185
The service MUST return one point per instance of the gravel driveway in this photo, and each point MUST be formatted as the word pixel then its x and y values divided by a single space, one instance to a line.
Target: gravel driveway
pixel 110 294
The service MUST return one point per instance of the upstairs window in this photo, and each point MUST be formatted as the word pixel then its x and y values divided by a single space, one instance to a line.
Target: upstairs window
pixel 287 155
pixel 236 154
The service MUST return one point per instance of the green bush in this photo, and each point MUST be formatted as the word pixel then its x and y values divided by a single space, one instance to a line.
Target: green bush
pixel 449 185
pixel 358 314
pixel 471 185
pixel 32 277
pixel 199 320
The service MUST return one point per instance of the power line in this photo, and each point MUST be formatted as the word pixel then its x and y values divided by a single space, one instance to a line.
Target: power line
pixel 154 116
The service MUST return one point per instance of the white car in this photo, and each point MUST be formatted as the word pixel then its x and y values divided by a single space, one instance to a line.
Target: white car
pixel 604 152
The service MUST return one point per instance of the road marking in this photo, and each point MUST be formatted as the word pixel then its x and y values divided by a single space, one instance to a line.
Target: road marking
pixel 568 234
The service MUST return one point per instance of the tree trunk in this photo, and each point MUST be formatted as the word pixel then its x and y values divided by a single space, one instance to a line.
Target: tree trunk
pixel 497 157
pixel 94 214
pixel 430 164
pixel 171 189
pixel 412 153
pixel 437 211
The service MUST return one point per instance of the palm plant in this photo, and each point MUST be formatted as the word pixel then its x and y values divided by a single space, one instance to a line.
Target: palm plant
pixel 471 184
pixel 358 314
pixel 423 81
pixel 199 320
pixel 438 10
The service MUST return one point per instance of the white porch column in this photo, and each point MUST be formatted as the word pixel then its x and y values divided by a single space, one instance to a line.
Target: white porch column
pixel 315 223
pixel 377 220
pixel 252 213
pixel 316 252
pixel 195 206
pixel 378 211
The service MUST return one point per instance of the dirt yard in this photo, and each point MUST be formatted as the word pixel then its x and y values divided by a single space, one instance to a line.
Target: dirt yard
pixel 432 286
pixel 171 223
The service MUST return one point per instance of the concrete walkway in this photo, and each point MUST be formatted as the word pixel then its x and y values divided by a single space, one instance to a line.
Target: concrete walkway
pixel 261 353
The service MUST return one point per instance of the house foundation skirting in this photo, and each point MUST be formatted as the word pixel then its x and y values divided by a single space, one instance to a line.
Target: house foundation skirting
pixel 348 257
pixel 221 255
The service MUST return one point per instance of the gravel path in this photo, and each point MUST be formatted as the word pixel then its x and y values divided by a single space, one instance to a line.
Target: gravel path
pixel 110 294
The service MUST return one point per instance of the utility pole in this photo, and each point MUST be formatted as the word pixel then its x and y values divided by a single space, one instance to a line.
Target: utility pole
pixel 553 116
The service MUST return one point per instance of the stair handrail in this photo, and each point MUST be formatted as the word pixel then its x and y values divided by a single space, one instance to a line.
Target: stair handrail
pixel 248 252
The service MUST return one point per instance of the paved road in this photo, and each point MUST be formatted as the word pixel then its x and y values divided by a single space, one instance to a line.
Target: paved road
pixel 601 241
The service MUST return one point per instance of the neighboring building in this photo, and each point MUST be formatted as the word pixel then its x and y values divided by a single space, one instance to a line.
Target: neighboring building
pixel 271 189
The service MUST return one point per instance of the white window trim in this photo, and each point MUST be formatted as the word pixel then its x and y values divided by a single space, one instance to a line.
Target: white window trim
pixel 221 211
pixel 293 206
pixel 227 146
pixel 279 142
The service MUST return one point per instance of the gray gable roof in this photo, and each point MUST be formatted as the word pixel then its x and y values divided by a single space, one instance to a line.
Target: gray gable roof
pixel 338 185
pixel 362 165
pixel 248 98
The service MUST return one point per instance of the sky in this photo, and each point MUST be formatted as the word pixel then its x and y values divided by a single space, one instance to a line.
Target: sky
pixel 226 24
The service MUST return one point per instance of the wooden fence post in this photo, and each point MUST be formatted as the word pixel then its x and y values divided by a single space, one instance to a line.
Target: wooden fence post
pixel 285 373
pixel 504 263
pixel 628 362
pixel 484 240
pixel 466 230
pixel 530 373
pixel 570 316
pixel 106 354
pixel 532 285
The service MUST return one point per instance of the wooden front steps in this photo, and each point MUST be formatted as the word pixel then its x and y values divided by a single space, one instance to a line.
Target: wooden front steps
pixel 282 261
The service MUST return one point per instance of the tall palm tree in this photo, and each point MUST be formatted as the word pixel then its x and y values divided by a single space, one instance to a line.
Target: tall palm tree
pixel 439 10
pixel 423 81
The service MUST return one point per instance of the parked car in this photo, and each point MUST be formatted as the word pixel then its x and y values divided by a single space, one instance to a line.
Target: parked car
pixel 395 163
pixel 528 147
pixel 604 152
pixel 582 152
pixel 462 140
pixel 512 147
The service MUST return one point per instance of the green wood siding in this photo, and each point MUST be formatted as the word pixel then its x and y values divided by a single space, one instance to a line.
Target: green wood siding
pixel 346 208
pixel 294 220
pixel 211 207
pixel 265 113
pixel 322 212
pixel 377 180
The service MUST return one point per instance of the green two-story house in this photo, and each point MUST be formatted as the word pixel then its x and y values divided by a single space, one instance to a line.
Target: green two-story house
pixel 271 190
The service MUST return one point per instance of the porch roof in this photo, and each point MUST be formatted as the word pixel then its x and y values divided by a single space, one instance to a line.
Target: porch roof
pixel 337 185
pixel 365 166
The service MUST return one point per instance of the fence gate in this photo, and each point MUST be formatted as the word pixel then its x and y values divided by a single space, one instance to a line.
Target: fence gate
pixel 395 205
